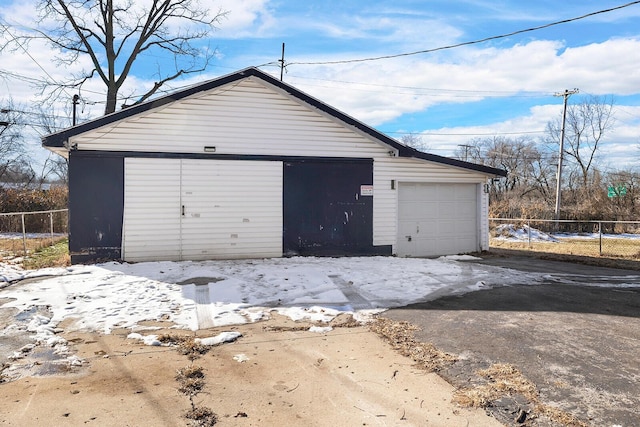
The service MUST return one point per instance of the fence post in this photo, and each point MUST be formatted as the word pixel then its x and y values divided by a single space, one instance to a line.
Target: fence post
pixel 24 236
pixel 529 231
pixel 600 236
pixel 51 226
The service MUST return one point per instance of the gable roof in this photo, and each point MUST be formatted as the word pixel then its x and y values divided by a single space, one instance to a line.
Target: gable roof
pixel 59 139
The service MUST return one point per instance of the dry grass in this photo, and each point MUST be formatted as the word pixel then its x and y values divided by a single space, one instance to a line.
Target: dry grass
pixel 50 256
pixel 10 248
pixel 506 380
pixel 616 248
pixel 186 345
pixel 401 337
pixel 201 416
pixel 501 380
pixel 191 380
pixel 600 261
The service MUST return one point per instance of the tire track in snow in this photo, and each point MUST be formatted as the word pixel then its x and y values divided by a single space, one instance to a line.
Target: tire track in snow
pixel 357 301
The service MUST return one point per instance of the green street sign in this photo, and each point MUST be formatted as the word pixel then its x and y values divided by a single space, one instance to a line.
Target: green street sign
pixel 616 191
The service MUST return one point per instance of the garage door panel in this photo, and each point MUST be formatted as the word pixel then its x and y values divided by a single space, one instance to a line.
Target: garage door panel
pixel 229 205
pixel 437 219
pixel 151 220
pixel 201 209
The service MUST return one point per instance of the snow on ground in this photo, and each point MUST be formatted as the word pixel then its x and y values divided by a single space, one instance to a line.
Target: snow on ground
pixel 523 233
pixel 194 295
pixel 511 232
pixel 199 295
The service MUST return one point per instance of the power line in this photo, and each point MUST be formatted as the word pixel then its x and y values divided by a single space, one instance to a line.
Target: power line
pixel 464 134
pixel 486 39
pixel 445 93
pixel 15 40
pixel 506 93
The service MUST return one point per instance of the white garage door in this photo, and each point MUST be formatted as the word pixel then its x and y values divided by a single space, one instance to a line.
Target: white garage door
pixel 190 209
pixel 437 219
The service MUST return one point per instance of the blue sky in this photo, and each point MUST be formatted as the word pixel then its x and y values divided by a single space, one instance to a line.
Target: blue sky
pixel 500 87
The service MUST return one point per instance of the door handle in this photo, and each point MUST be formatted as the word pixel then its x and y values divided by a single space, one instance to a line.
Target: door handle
pixel 408 238
pixel 182 210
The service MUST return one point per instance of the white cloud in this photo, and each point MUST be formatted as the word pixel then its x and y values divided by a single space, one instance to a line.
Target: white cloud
pixel 445 140
pixel 245 18
pixel 377 92
pixel 401 32
pixel 614 152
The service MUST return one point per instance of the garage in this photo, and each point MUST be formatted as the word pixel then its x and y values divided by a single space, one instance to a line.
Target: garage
pixel 437 219
pixel 248 166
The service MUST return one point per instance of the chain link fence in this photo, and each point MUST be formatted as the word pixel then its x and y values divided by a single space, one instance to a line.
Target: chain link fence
pixel 22 233
pixel 588 238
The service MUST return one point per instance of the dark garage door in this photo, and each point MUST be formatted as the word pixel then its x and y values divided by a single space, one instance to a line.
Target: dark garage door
pixel 328 207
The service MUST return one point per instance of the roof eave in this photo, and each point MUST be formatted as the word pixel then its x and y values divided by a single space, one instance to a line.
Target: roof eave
pixel 488 170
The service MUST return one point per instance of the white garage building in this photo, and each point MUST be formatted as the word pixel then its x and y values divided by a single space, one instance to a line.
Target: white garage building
pixel 246 166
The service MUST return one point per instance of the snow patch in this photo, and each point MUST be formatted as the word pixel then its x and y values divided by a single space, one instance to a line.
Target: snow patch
pixel 221 338
pixel 523 233
pixel 151 340
pixel 240 358
pixel 321 329
pixel 460 257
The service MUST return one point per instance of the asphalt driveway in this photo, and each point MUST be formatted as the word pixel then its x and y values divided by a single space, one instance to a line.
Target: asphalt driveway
pixel 576 336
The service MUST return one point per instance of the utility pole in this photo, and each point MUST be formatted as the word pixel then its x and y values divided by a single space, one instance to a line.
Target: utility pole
pixel 466 150
pixel 281 61
pixel 75 101
pixel 566 94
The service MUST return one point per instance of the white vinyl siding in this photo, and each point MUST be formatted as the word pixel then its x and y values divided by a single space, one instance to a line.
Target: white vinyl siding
pixel 201 209
pixel 246 118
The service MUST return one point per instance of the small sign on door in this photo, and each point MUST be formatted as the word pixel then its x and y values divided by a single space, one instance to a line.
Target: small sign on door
pixel 366 190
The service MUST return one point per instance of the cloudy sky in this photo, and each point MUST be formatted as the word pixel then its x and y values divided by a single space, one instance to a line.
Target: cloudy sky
pixel 504 86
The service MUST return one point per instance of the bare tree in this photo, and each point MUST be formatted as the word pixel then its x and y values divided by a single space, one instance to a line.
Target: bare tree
pixel 55 168
pixel 114 33
pixel 527 166
pixel 20 127
pixel 14 164
pixel 587 123
pixel 472 151
pixel 414 140
pixel 623 205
